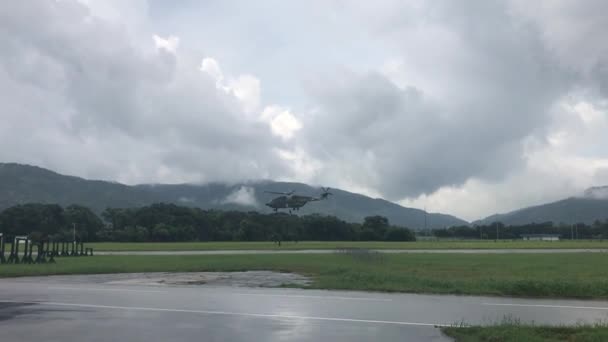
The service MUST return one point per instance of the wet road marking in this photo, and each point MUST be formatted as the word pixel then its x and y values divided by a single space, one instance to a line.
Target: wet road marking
pixel 309 296
pixel 227 313
pixel 548 306
pixel 98 289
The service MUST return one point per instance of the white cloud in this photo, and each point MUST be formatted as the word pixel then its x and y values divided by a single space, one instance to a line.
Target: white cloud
pixel 185 199
pixel 245 87
pixel 212 68
pixel 303 166
pixel 169 44
pixel 242 196
pixel 282 122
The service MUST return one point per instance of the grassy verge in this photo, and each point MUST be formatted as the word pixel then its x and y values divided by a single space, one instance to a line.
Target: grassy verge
pixel 176 246
pixel 580 275
pixel 517 333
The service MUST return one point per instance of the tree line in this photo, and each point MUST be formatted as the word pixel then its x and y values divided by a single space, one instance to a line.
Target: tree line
pixel 169 222
pixel 497 230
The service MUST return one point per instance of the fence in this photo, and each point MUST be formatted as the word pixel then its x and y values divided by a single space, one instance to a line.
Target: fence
pixel 46 250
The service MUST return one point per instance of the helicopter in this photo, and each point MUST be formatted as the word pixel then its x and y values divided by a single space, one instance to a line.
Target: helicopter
pixel 289 201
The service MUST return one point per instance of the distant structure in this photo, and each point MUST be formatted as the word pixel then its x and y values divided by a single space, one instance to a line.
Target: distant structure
pixel 540 237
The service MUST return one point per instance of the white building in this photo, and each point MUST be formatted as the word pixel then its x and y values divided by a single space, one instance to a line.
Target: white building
pixel 540 237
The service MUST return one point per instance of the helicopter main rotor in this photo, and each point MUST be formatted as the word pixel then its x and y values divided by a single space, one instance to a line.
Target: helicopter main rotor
pixel 281 193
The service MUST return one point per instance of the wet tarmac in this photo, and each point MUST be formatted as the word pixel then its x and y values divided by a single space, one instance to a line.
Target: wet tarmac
pixel 96 308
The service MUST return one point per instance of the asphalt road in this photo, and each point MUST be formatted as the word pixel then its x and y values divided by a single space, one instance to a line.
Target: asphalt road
pixel 329 251
pixel 59 309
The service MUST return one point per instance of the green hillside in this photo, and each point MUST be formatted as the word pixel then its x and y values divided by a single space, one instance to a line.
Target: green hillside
pixel 23 184
pixel 568 211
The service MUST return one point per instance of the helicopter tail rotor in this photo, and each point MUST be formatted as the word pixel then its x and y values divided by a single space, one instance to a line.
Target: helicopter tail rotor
pixel 325 193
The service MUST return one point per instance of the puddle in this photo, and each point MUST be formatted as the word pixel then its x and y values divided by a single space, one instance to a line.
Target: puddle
pixel 236 279
pixel 239 279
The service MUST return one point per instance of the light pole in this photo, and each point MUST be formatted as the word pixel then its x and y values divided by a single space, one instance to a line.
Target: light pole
pixel 572 232
pixel 425 228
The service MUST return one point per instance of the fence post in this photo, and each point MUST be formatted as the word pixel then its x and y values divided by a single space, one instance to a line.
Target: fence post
pixel 41 254
pixel 13 258
pixel 28 252
pixel 64 249
pixel 54 246
pixel 24 258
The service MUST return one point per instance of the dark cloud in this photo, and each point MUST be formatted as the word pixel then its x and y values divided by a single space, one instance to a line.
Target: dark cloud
pixel 399 98
pixel 78 82
pixel 504 83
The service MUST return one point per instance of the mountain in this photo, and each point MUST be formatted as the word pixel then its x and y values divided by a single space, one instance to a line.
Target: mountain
pixel 593 205
pixel 23 183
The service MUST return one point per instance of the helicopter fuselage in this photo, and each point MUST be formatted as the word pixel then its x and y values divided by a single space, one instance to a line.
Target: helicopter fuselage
pixel 289 202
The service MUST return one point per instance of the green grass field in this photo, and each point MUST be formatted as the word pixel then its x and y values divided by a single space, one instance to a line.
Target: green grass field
pixel 579 275
pixel 517 333
pixel 181 246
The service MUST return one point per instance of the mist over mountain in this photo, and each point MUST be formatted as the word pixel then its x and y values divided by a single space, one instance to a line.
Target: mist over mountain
pixel 23 184
pixel 596 192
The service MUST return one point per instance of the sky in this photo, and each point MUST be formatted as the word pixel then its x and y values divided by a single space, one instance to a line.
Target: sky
pixel 468 108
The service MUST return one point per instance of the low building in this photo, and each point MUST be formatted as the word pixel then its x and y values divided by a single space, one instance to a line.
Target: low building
pixel 540 237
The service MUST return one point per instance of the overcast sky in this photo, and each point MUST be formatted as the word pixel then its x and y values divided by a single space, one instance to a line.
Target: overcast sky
pixel 466 107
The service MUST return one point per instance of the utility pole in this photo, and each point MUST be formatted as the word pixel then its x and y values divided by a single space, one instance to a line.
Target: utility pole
pixel 572 232
pixel 425 229
pixel 74 232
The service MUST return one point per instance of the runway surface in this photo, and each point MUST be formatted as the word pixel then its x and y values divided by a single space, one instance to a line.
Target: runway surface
pixel 83 308
pixel 329 251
